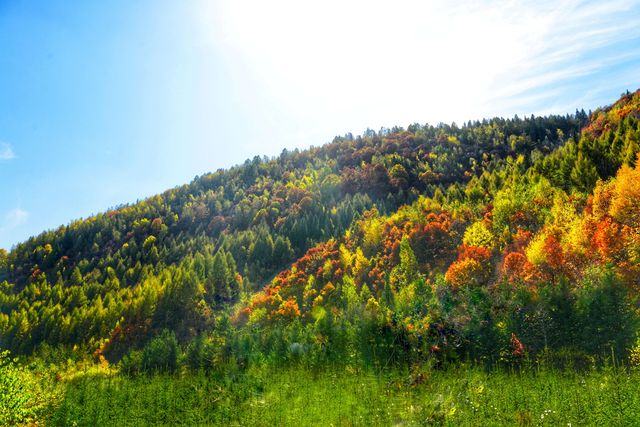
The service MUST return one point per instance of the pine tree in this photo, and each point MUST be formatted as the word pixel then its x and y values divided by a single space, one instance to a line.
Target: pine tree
pixel 76 277
pixel 218 283
pixel 584 174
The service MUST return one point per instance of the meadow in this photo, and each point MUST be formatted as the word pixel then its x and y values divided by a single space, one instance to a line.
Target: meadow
pixel 295 396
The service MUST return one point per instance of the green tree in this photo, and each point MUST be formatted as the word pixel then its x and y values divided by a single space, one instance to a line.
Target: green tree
pixel 161 353
pixel 218 283
pixel 407 270
pixel 584 174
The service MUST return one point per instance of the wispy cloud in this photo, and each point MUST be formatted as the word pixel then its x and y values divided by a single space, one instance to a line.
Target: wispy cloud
pixel 11 221
pixel 579 41
pixel 14 218
pixel 420 60
pixel 6 152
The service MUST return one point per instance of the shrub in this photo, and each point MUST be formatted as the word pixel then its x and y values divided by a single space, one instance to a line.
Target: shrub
pixel 201 353
pixel 19 400
pixel 131 363
pixel 161 353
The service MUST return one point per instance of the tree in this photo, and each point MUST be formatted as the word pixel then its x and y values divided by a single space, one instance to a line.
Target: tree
pixel 584 174
pixel 161 353
pixel 465 272
pixel 516 267
pixel 407 270
pixel 477 234
pixel 607 320
pixel 218 283
pixel 388 298
pixel 76 277
pixel 181 305
pixel 261 250
pixel 625 201
pixel 472 268
pixel 282 251
pixel 3 260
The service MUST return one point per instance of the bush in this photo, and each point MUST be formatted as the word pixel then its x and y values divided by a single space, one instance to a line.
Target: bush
pixel 131 363
pixel 21 400
pixel 201 354
pixel 161 353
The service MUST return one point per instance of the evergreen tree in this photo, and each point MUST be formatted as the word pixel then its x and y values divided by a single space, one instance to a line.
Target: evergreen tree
pixel 219 279
pixel 584 174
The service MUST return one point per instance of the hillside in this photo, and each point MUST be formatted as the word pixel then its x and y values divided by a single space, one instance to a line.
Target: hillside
pixel 432 240
pixel 483 274
pixel 536 256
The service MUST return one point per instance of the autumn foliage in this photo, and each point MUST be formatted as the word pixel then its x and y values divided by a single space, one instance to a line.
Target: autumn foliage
pixel 501 237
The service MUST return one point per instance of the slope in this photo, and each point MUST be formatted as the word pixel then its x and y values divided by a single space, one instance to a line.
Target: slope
pixel 180 260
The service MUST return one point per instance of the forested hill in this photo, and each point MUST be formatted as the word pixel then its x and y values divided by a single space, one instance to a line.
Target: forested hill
pixel 302 196
pixel 488 204
pixel 532 259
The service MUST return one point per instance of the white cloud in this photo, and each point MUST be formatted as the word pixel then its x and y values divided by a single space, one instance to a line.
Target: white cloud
pixel 348 63
pixel 6 152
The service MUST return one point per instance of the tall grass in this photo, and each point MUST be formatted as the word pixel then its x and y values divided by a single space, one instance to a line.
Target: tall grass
pixel 458 396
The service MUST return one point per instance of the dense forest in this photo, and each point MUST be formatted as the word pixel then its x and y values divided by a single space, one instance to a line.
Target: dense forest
pixel 499 241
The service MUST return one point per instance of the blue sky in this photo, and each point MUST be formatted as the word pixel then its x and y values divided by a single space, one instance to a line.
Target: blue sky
pixel 103 103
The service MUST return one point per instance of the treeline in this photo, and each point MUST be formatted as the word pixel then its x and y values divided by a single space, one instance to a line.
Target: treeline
pixel 88 281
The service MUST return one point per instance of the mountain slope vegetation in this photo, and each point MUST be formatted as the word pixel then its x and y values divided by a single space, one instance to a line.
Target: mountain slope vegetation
pixel 493 241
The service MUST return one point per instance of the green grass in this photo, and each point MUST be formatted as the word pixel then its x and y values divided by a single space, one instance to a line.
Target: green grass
pixel 460 396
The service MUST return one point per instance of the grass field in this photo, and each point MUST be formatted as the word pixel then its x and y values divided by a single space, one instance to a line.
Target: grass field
pixel 459 396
